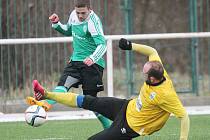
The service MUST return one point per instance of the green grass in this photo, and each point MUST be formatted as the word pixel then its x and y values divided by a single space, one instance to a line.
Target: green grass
pixel 82 129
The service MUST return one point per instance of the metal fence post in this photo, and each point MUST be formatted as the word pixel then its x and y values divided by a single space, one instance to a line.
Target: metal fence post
pixel 129 55
pixel 194 45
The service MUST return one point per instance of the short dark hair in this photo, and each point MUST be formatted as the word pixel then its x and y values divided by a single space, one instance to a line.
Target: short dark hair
pixel 82 3
pixel 156 70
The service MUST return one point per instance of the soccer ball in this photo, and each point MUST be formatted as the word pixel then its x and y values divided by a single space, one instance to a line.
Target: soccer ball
pixel 35 115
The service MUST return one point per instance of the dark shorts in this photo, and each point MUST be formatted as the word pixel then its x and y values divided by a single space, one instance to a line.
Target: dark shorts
pixel 90 77
pixel 115 110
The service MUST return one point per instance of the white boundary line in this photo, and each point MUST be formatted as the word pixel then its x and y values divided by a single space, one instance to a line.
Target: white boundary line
pixel 63 115
pixel 84 114
pixel 52 139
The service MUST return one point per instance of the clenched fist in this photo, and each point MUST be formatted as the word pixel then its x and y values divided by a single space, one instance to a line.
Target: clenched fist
pixel 54 18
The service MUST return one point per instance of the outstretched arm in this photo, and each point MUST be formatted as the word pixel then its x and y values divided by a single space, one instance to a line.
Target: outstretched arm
pixel 140 48
pixel 171 103
pixel 64 29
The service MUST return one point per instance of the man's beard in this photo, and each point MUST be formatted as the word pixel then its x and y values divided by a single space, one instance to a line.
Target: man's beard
pixel 148 81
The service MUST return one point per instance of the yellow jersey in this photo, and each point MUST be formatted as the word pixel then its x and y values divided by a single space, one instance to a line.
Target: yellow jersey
pixel 151 109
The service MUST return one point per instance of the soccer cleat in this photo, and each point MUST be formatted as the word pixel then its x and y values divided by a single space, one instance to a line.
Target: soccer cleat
pixel 38 90
pixel 33 101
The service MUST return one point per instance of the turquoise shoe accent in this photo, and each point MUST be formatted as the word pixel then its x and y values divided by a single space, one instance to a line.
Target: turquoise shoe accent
pixel 106 123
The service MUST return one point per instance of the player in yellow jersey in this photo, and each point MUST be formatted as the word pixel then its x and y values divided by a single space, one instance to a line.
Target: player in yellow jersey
pixel 141 116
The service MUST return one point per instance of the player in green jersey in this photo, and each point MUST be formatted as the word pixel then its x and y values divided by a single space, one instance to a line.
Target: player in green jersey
pixel 86 63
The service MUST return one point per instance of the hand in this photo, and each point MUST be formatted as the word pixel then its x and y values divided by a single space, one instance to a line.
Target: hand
pixel 88 61
pixel 54 18
pixel 124 44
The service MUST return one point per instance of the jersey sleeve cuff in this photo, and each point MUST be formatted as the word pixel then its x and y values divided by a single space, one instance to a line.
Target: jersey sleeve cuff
pixel 56 25
pixel 92 57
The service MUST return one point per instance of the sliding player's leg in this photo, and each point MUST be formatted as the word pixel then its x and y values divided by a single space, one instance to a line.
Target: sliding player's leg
pixel 68 82
pixel 115 110
pixel 119 129
pixel 107 106
pixel 57 89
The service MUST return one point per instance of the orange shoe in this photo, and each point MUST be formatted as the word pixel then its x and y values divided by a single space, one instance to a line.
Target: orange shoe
pixel 33 101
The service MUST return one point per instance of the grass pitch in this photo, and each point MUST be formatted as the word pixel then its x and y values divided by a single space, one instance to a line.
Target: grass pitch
pixel 82 129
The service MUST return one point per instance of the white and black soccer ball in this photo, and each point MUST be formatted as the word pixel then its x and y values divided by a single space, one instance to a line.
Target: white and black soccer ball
pixel 35 115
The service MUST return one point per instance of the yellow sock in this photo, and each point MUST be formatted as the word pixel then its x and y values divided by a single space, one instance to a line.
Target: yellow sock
pixel 68 99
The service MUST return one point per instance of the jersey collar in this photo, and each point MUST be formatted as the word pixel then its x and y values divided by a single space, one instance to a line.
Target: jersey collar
pixel 156 84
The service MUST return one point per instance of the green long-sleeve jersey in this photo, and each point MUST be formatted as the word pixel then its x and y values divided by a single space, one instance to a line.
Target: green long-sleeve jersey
pixel 88 37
